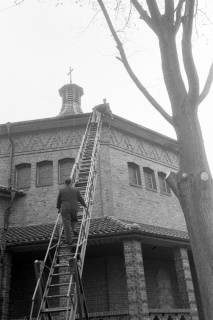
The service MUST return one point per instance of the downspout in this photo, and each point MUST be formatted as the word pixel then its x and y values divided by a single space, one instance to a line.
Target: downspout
pixel 10 184
pixel 7 212
pixel 8 125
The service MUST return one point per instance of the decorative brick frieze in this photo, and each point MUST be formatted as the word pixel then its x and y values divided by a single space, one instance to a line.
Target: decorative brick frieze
pixel 143 148
pixel 185 283
pixel 48 140
pixel 136 286
pixel 6 286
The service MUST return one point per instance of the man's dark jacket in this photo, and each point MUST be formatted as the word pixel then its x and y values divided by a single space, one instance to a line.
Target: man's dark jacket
pixel 68 199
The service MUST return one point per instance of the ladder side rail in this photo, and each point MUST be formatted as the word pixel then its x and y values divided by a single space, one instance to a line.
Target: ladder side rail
pixel 80 292
pixel 47 283
pixel 83 249
pixel 38 283
pixel 94 158
pixel 80 268
pixel 75 168
pixel 83 236
pixel 90 177
pixel 86 216
pixel 74 175
pixel 88 194
pixel 95 117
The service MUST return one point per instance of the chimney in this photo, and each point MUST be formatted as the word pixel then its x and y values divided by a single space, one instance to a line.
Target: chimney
pixel 71 99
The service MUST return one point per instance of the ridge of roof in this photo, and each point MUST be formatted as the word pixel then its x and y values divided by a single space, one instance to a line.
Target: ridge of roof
pixel 99 227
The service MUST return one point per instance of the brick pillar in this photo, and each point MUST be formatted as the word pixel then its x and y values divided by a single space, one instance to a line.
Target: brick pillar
pixel 6 286
pixel 136 286
pixel 185 283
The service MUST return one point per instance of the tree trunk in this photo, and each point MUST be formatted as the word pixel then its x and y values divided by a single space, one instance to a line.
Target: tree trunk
pixel 195 193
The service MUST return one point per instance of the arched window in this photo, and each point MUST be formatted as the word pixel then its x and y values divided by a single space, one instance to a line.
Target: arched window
pixel 23 176
pixel 134 174
pixel 149 177
pixel 164 187
pixel 64 169
pixel 44 173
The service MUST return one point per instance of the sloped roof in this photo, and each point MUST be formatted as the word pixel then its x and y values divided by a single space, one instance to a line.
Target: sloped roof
pixel 100 227
pixel 7 191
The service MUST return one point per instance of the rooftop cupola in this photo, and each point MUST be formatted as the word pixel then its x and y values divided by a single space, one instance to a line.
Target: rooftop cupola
pixel 71 98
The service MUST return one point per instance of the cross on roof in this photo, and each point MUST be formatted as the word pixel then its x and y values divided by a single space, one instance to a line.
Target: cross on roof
pixel 70 74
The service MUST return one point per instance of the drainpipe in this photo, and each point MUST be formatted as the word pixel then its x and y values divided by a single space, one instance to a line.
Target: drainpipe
pixel 6 217
pixel 10 184
pixel 8 125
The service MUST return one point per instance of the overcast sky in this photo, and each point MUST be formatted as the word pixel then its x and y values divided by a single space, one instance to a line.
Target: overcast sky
pixel 40 39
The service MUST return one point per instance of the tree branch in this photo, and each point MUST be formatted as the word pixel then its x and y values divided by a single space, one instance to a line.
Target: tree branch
pixel 144 15
pixel 171 179
pixel 178 15
pixel 207 85
pixel 188 60
pixel 169 10
pixel 129 70
pixel 154 10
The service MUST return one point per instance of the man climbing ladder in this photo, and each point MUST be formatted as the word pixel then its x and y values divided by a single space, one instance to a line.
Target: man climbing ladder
pixel 59 289
pixel 67 202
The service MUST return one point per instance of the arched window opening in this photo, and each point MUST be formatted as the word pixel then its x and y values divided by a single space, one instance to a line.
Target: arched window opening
pixel 164 187
pixel 64 169
pixel 134 174
pixel 44 173
pixel 149 177
pixel 23 176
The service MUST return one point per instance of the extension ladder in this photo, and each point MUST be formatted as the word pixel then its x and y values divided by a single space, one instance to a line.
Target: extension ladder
pixel 59 290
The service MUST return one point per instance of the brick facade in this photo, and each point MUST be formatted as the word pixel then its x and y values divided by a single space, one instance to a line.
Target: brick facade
pixel 6 279
pixel 114 195
pixel 136 285
pixel 185 281
pixel 113 283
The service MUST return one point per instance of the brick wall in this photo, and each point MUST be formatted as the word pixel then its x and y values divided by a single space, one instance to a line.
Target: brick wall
pixel 104 194
pixel 6 280
pixel 114 195
pixel 185 281
pixel 105 284
pixel 135 277
pixel 136 202
pixel 22 283
pixel 161 283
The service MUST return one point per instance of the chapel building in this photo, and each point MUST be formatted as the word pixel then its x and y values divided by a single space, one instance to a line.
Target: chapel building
pixel 138 263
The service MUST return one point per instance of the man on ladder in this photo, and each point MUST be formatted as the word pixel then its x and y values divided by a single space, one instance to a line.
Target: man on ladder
pixel 67 202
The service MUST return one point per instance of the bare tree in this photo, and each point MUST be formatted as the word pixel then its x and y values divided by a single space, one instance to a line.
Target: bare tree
pixel 193 183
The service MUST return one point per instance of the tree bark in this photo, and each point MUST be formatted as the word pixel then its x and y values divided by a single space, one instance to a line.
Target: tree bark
pixel 193 184
pixel 195 193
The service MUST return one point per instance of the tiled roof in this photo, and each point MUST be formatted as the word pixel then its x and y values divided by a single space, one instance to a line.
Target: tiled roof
pixel 99 227
pixel 7 191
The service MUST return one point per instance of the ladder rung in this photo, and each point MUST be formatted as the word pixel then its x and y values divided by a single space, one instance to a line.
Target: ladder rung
pixel 59 284
pixel 60 309
pixel 60 274
pixel 57 296
pixel 58 265
pixel 65 255
pixel 71 246
pixel 64 264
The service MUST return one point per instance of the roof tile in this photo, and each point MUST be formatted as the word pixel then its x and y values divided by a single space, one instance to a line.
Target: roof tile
pixel 99 227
